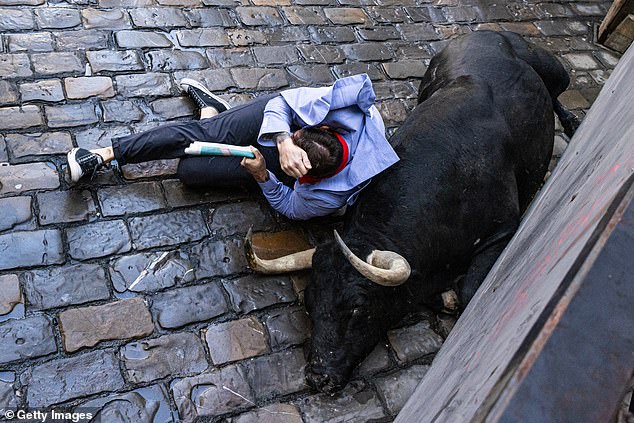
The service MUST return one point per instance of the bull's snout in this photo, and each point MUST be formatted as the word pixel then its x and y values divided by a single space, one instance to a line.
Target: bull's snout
pixel 324 381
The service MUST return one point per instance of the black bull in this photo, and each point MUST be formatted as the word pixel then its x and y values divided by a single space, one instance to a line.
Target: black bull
pixel 473 154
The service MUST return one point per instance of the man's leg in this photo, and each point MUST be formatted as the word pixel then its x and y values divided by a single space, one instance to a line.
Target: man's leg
pixel 238 126
pixel 226 172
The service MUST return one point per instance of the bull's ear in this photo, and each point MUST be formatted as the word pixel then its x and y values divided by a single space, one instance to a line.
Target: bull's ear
pixel 290 263
pixel 385 268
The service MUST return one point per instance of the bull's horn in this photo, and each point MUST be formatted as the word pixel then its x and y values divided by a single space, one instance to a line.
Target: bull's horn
pixel 290 263
pixel 386 268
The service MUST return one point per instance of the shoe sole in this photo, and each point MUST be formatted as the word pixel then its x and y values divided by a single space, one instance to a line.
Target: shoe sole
pixel 201 87
pixel 73 166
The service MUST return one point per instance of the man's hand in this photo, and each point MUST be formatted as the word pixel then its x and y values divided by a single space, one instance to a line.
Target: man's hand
pixel 257 166
pixel 293 160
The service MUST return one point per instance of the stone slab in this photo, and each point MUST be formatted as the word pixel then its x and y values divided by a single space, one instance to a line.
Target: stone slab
pixel 178 354
pixel 64 379
pixel 287 327
pixel 274 413
pixel 112 235
pixel 255 292
pixel 236 340
pixel 19 178
pixel 416 341
pixel 88 86
pixel 87 326
pixel 219 258
pixel 356 403
pixel 38 144
pixel 132 198
pixel 35 248
pixel 212 394
pixel 26 338
pixel 14 211
pixel 277 374
pixel 44 90
pixel 181 306
pixel 167 229
pixel 237 218
pixel 148 404
pixel 19 117
pixel 165 270
pixel 65 206
pixel 10 293
pixel 65 286
pixel 8 397
pixel 396 388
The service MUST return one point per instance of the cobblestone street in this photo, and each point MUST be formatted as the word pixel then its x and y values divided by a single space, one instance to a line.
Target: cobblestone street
pixel 202 336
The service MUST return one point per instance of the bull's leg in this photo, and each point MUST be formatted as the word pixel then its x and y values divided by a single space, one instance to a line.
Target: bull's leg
pixel 482 262
pixel 569 121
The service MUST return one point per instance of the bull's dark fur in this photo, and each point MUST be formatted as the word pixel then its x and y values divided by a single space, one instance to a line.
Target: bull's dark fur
pixel 473 154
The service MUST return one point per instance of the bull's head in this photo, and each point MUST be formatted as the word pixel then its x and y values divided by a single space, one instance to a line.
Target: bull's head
pixel 351 303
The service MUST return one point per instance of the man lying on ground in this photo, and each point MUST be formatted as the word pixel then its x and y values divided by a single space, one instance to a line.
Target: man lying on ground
pixel 315 148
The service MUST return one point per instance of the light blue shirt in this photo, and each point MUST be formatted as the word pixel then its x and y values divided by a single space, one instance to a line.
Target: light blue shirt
pixel 347 107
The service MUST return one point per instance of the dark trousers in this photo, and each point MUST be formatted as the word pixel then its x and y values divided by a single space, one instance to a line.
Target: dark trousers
pixel 237 126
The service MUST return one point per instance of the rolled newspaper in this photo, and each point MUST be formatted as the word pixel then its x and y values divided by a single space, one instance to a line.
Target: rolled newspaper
pixel 199 148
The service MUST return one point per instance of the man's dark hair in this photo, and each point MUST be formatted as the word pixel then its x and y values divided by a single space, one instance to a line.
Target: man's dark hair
pixel 324 150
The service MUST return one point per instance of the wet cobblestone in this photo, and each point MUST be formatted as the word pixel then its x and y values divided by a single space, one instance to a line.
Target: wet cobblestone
pixel 149 404
pixel 37 248
pixel 170 269
pixel 170 355
pixel 14 211
pixel 410 343
pixel 357 403
pixel 212 394
pixel 179 307
pixel 52 288
pixel 236 340
pixel 277 374
pixel 10 293
pixel 87 326
pixel 79 72
pixel 111 235
pixel 26 338
pixel 63 379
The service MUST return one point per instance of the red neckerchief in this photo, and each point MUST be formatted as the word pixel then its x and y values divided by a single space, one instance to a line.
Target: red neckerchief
pixel 307 179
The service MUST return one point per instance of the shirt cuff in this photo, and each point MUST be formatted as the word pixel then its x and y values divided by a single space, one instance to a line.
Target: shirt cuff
pixel 270 184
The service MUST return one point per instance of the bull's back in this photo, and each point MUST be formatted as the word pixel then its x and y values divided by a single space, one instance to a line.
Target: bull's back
pixel 524 81
pixel 451 185
pixel 473 154
pixel 493 57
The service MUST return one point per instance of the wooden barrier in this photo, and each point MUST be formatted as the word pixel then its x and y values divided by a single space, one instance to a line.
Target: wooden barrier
pixel 549 337
pixel 617 29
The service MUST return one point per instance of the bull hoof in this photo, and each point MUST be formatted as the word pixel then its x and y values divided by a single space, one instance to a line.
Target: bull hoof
pixel 450 301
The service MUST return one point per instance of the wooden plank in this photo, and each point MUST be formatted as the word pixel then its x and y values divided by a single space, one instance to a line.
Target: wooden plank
pixel 617 12
pixel 483 352
pixel 580 365
pixel 621 38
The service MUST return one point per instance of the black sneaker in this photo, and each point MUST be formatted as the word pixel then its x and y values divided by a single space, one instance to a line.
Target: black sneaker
pixel 82 162
pixel 202 96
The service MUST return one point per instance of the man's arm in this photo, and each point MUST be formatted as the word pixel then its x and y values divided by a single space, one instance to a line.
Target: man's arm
pixel 285 200
pixel 297 207
pixel 276 131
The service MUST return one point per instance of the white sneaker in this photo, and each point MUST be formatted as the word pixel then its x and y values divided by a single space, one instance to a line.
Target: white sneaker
pixel 202 96
pixel 82 162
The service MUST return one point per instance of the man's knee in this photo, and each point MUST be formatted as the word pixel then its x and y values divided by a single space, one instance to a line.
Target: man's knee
pixel 187 172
